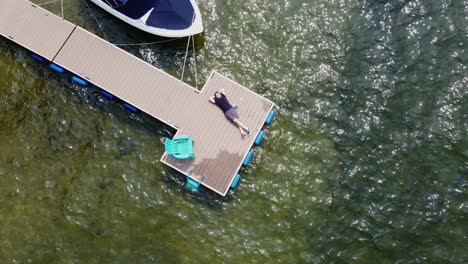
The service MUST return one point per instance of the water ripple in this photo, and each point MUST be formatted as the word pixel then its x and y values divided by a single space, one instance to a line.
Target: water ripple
pixel 366 160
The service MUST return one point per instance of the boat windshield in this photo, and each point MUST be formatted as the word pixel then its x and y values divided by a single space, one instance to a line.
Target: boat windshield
pixel 167 14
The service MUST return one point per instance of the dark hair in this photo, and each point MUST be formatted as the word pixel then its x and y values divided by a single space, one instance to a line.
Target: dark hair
pixel 216 93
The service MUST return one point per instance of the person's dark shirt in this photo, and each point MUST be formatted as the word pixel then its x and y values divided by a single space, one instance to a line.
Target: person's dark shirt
pixel 223 103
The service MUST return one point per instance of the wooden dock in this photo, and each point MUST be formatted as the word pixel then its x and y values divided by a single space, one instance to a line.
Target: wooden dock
pixel 219 148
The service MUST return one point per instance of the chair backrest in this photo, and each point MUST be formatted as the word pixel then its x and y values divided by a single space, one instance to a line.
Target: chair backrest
pixel 171 146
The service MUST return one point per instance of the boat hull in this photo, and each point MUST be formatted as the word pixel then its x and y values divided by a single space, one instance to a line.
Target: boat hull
pixel 195 28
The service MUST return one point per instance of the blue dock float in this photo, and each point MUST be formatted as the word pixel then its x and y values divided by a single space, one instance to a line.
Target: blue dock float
pixel 270 117
pixel 130 108
pixel 259 137
pixel 38 58
pixel 235 181
pixel 247 159
pixel 79 81
pixel 106 94
pixel 56 68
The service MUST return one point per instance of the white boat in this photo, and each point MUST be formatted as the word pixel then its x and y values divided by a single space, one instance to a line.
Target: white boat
pixel 166 18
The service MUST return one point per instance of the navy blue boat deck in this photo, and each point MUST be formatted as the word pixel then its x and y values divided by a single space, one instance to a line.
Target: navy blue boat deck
pixel 167 14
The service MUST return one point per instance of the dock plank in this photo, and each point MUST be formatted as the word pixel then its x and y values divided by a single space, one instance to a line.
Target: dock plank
pixel 33 27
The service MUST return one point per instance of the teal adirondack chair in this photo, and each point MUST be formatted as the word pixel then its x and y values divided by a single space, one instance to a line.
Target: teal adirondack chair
pixel 180 147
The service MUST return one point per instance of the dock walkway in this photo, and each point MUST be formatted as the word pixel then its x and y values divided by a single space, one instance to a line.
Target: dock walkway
pixel 219 148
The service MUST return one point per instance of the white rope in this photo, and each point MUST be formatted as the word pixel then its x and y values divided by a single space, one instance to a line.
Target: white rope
pixel 97 21
pixel 185 60
pixel 61 4
pixel 186 52
pixel 53 1
pixel 145 43
pixel 46 3
pixel 195 61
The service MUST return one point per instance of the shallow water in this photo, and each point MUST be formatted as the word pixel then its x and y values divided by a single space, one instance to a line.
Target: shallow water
pixel 367 161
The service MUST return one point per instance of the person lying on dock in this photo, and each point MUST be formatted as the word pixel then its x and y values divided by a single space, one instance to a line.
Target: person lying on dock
pixel 219 98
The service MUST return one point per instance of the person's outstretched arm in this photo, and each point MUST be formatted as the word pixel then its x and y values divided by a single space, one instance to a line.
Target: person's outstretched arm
pixel 222 91
pixel 211 99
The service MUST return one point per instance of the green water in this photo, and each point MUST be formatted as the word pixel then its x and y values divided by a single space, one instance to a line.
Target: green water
pixel 367 161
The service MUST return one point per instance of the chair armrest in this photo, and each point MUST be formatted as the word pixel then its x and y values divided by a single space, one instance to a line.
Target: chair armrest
pixel 181 156
pixel 181 138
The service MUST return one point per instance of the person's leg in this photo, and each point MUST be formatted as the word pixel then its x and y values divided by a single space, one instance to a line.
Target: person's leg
pixel 240 125
pixel 232 115
pixel 241 131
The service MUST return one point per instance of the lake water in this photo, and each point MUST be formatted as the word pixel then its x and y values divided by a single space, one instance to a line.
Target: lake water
pixel 367 161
